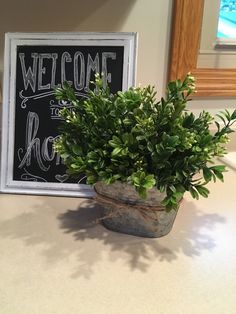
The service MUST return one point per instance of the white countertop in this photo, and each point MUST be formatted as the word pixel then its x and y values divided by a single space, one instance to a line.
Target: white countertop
pixel 54 260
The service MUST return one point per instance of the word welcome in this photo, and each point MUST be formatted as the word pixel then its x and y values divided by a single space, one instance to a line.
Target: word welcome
pixel 43 71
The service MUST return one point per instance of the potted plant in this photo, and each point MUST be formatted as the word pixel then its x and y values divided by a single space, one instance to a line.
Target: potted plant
pixel 141 154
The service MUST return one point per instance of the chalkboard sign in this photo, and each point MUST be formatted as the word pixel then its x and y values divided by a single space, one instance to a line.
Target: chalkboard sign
pixel 34 65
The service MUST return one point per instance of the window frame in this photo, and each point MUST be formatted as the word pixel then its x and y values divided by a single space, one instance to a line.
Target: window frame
pixel 185 42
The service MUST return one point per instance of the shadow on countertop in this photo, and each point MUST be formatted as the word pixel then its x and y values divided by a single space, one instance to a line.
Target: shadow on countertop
pixel 74 233
pixel 188 235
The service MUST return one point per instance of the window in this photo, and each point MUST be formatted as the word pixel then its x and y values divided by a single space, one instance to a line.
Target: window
pixel 226 31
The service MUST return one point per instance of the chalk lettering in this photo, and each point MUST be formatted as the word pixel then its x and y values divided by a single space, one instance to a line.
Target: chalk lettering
pixel 54 64
pixel 66 57
pixel 81 69
pixel 106 75
pixel 48 142
pixel 32 142
pixel 33 145
pixel 42 70
pixel 79 83
pixel 92 65
pixel 29 76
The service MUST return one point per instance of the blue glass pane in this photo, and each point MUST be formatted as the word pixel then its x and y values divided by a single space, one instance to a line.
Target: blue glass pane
pixel 227 19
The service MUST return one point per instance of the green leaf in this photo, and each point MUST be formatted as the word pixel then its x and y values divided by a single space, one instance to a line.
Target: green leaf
pixel 207 174
pixel 227 114
pixel 228 130
pixel 202 190
pixel 166 201
pixel 150 147
pixel 127 121
pixel 170 203
pixel 142 192
pixel 91 179
pixel 188 120
pixel 222 118
pixel 149 182
pixel 76 149
pixel 194 192
pixel 115 141
pixel 220 168
pixel 178 196
pixel 125 138
pixel 140 137
pixel 117 176
pixel 162 188
pixel 74 166
pixel 233 115
pixel 180 188
pixel 219 175
pixel 65 155
pixel 116 151
pixel 173 140
pixel 218 126
pixel 179 176
pixel 135 179
pixel 172 188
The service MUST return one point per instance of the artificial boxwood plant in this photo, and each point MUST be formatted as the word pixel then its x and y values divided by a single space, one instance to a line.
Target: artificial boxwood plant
pixel 132 137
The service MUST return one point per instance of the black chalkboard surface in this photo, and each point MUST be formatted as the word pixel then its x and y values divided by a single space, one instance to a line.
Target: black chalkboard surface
pixel 34 65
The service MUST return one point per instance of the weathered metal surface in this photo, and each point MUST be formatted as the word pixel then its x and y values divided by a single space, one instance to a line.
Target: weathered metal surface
pixel 152 223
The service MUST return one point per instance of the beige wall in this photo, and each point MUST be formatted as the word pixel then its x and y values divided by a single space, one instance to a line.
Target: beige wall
pixel 150 18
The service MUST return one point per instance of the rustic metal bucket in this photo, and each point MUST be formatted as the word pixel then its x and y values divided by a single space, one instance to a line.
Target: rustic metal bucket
pixel 124 211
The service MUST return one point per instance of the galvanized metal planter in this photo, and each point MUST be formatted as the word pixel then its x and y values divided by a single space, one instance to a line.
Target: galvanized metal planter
pixel 124 211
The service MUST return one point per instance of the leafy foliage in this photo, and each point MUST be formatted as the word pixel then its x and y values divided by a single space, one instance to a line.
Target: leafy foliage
pixel 132 137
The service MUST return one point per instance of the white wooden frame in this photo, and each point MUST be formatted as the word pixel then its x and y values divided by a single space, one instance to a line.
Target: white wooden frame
pixel 12 41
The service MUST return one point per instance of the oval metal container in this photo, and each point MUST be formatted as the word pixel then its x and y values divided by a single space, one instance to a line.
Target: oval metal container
pixel 153 223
